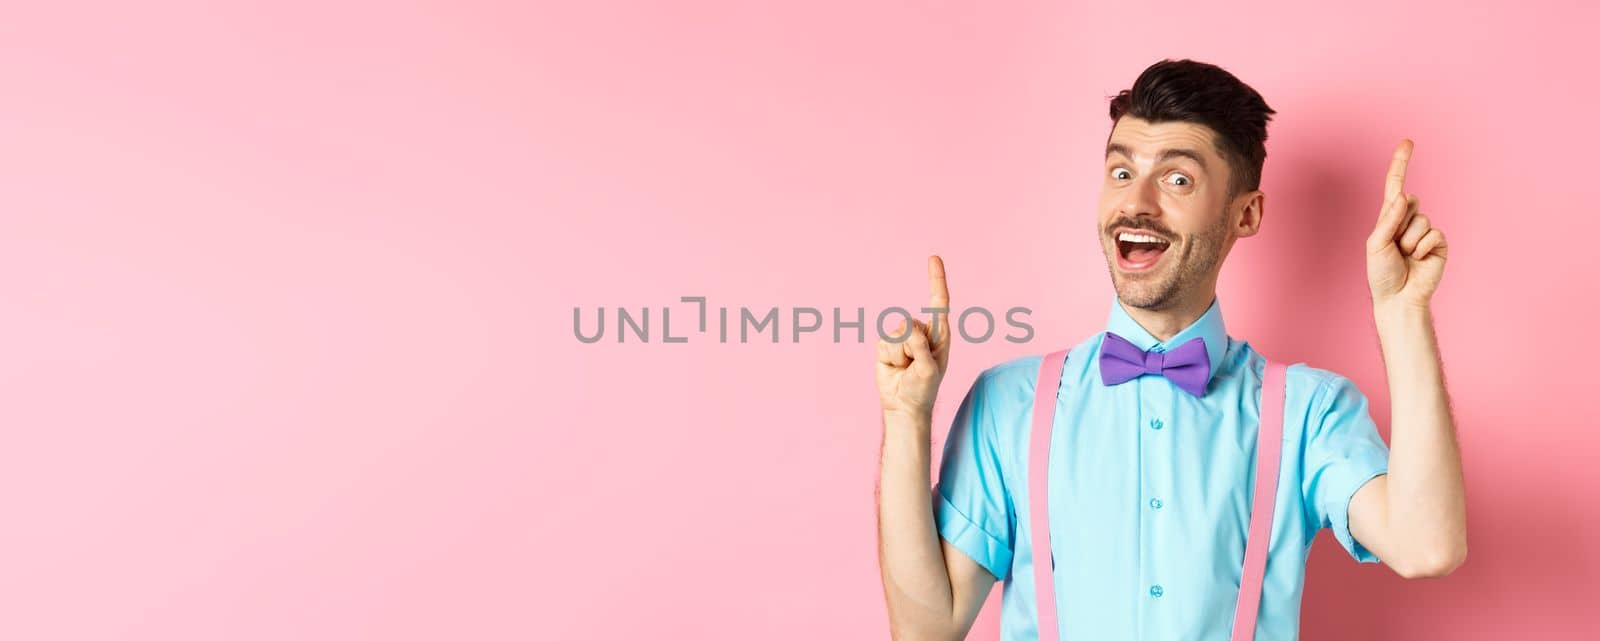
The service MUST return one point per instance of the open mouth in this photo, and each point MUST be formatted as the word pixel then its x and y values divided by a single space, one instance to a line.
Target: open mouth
pixel 1137 251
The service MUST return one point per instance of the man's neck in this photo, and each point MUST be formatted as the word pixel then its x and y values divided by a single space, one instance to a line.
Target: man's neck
pixel 1163 324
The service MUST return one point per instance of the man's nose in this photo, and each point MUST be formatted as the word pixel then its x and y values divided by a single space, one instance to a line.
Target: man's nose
pixel 1140 199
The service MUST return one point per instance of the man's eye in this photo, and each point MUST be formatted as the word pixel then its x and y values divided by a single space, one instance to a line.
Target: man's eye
pixel 1119 173
pixel 1181 180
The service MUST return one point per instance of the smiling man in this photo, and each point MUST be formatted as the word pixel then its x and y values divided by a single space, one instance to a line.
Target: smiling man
pixel 1151 473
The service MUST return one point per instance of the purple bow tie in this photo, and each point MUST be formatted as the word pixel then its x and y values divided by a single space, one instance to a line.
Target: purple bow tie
pixel 1188 366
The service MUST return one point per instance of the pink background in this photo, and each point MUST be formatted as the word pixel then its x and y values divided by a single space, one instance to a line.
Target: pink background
pixel 288 291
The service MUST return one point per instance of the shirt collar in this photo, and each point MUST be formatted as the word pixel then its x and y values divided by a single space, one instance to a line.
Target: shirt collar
pixel 1208 327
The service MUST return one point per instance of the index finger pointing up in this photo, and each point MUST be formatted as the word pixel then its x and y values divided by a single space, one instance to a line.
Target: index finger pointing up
pixel 1397 171
pixel 938 289
pixel 938 293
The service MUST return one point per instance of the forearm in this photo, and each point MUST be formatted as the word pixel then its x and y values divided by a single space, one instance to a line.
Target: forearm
pixel 916 580
pixel 1426 497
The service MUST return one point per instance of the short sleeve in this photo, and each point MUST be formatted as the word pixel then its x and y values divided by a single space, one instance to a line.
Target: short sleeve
pixel 971 507
pixel 1343 452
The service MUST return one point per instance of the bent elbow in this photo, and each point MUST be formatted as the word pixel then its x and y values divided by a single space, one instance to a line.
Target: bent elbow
pixel 1439 562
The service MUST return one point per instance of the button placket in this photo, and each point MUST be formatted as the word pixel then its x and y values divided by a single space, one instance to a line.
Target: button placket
pixel 1157 454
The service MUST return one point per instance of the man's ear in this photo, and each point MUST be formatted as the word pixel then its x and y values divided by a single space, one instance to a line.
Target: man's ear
pixel 1252 207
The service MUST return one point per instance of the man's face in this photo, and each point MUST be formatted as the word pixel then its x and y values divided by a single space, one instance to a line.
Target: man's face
pixel 1164 224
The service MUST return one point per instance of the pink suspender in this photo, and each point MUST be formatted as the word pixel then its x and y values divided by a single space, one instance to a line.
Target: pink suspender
pixel 1044 414
pixel 1269 445
pixel 1269 448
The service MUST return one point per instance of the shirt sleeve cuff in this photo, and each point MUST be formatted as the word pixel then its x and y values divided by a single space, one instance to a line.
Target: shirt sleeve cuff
pixel 988 550
pixel 1339 519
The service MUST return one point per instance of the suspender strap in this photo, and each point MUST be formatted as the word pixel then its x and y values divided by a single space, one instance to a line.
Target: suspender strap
pixel 1044 414
pixel 1269 449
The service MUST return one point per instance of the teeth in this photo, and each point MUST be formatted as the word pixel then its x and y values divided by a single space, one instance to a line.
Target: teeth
pixel 1138 238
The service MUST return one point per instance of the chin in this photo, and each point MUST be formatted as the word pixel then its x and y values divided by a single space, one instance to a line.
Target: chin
pixel 1144 295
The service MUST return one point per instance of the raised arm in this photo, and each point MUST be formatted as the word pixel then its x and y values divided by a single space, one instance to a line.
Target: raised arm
pixel 933 590
pixel 1413 518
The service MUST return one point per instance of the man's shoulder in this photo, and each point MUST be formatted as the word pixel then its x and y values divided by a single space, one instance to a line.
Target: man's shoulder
pixel 1314 379
pixel 1012 375
pixel 1307 384
pixel 1017 376
pixel 1324 394
pixel 1297 375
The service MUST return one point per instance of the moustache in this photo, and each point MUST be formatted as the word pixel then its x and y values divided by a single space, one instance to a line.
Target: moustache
pixel 1129 225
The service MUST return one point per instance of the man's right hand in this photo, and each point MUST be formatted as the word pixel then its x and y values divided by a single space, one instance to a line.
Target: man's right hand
pixel 909 371
pixel 933 589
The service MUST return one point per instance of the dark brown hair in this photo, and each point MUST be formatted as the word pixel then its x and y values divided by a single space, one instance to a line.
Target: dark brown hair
pixel 1205 94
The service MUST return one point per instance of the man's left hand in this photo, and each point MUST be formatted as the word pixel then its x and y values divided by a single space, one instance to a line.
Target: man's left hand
pixel 1405 253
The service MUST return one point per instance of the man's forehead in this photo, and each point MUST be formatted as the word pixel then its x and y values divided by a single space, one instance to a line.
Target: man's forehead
pixel 1142 139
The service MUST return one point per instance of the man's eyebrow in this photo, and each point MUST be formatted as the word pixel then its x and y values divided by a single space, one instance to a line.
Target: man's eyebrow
pixel 1119 148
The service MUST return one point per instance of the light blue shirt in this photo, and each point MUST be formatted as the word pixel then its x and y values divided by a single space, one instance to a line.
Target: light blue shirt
pixel 1151 487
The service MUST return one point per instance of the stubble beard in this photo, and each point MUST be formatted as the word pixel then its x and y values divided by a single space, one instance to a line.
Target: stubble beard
pixel 1156 292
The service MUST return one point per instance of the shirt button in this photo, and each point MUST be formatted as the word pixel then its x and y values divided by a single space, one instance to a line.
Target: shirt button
pixel 1156 591
pixel 1155 423
pixel 1155 504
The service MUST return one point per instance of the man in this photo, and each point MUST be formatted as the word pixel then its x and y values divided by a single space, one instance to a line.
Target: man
pixel 1150 491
